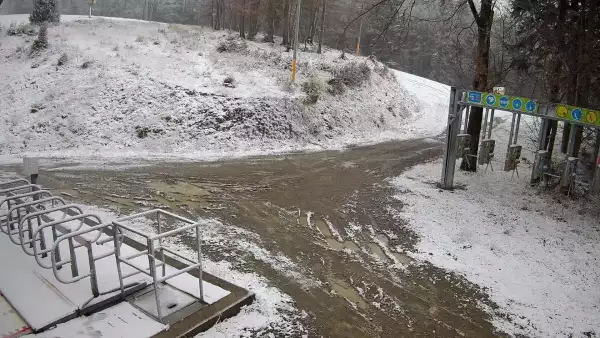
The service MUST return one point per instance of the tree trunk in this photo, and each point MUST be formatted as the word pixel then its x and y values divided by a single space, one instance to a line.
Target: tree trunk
pixel 254 9
pixel 554 76
pixel 242 20
pixel 286 23
pixel 271 21
pixel 320 50
pixel 484 25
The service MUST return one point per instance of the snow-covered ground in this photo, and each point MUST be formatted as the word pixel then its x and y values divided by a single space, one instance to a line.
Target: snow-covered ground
pixel 136 89
pixel 534 254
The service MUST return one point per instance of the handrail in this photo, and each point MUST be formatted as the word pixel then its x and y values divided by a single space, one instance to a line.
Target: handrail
pixel 27 206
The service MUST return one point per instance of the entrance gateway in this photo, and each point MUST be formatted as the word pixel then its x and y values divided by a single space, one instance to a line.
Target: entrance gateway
pixel 458 141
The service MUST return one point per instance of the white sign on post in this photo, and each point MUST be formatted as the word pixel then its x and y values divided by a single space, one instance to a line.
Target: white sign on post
pixel 500 90
pixel 31 165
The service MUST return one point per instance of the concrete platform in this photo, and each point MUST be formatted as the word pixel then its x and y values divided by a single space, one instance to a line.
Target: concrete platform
pixel 35 301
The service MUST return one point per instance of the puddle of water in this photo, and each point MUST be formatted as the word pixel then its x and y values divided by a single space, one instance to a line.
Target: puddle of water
pixel 331 241
pixel 346 291
pixel 378 251
pixel 383 238
pixel 339 246
pixel 402 258
pixel 179 188
pixel 323 228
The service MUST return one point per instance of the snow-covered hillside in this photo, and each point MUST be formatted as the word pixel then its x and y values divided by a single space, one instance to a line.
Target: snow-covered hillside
pixel 133 88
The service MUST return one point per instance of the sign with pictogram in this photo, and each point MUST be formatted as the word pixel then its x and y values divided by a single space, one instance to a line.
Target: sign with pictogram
pixel 505 102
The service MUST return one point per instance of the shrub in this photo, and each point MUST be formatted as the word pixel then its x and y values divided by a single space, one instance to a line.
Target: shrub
pixel 336 87
pixel 142 132
pixel 86 64
pixel 313 88
pixel 353 74
pixel 36 107
pixel 232 44
pixel 139 39
pixel 62 60
pixel 44 11
pixel 229 82
pixel 22 29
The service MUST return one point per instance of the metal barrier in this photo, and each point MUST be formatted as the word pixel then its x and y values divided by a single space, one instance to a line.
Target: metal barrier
pixel 27 207
pixel 30 216
pixel 18 199
pixel 5 185
pixel 152 249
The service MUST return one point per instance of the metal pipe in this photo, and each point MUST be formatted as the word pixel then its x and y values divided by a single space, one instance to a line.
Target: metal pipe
pixel 162 251
pixel 491 124
pixel 517 129
pixel 141 253
pixel 93 278
pixel 74 268
pixel 28 186
pixel 118 258
pixel 150 244
pixel 179 272
pixel 467 109
pixel 485 118
pixel 20 180
pixel 142 270
pixel 512 129
pixel 198 244
pixel 174 232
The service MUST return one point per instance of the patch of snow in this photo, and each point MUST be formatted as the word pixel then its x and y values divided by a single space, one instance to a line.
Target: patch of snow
pixel 537 258
pixel 154 90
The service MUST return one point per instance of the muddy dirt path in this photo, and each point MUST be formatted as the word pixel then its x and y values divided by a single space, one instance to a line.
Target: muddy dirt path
pixel 331 213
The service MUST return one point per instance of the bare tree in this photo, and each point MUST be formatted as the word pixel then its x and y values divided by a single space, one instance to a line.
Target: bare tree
pixel 484 19
pixel 320 49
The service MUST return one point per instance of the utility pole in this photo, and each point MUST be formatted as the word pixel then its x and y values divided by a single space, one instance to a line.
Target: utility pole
pixel 294 65
pixel 91 4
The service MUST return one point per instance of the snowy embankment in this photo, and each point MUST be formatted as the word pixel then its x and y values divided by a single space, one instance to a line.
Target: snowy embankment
pixel 133 88
pixel 536 256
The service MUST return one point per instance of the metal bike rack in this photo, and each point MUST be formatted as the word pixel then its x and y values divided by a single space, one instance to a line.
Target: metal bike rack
pixel 27 207
pixel 18 199
pixel 34 213
pixel 152 249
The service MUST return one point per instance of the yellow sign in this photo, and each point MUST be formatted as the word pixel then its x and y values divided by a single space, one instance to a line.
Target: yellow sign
pixel 591 117
pixel 562 111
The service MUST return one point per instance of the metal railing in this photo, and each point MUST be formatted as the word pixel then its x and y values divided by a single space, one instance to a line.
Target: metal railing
pixel 151 240
pixel 35 214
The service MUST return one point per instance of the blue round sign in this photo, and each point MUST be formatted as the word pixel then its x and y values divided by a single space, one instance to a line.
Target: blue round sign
pixel 577 114
pixel 504 101
pixel 517 104
pixel 530 106
pixel 490 100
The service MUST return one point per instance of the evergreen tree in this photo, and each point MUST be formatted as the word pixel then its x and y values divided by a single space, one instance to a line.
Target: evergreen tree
pixel 44 11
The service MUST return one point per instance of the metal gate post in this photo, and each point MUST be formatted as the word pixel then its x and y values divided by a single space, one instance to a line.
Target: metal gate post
pixel 454 120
